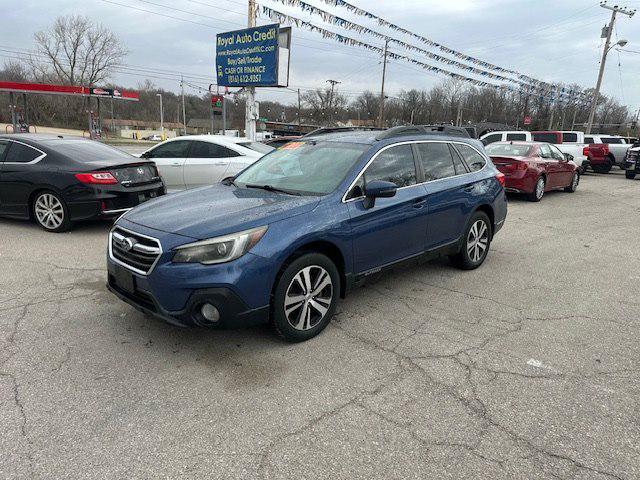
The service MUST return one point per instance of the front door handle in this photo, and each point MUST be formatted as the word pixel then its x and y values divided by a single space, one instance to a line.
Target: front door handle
pixel 420 203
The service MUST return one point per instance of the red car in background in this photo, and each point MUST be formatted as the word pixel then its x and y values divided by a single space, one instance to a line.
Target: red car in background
pixel 534 168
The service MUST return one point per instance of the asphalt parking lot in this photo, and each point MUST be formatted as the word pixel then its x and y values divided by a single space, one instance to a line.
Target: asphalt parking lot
pixel 526 368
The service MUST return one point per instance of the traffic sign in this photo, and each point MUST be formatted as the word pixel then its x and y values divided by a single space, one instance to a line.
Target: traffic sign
pixel 527 120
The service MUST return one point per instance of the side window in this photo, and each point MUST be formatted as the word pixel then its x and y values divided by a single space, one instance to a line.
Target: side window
pixel 472 158
pixel 496 137
pixel 176 149
pixel 555 153
pixel 457 162
pixel 209 150
pixel 517 137
pixel 394 165
pixel 436 160
pixel 3 149
pixel 588 139
pixel 545 151
pixel 19 153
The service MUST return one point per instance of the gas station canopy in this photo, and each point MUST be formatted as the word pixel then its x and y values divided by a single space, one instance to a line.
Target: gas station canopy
pixel 51 89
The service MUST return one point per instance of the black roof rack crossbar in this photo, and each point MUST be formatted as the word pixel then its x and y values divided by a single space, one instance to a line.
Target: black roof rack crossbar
pixel 409 130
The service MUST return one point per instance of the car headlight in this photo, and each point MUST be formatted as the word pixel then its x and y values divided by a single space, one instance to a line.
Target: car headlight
pixel 219 249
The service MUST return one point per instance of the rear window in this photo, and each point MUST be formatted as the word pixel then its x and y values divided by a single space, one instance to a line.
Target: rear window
pixel 612 140
pixel 87 150
pixel 569 138
pixel 257 147
pixel 507 150
pixel 545 137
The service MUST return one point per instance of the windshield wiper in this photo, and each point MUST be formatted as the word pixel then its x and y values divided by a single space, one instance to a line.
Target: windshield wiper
pixel 271 188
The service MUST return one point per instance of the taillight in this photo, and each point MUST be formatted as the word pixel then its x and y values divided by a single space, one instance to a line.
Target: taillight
pixel 97 178
pixel 605 148
pixel 501 179
pixel 585 151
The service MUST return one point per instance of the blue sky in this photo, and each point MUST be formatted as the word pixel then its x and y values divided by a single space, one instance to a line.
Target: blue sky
pixel 549 40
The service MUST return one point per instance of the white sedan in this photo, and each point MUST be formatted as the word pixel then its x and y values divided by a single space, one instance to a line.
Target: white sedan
pixel 197 160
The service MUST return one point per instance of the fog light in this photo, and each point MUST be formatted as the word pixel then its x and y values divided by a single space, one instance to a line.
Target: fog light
pixel 210 313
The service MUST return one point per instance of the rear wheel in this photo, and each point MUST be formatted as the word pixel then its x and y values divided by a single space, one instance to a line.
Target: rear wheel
pixel 305 297
pixel 50 212
pixel 573 186
pixel 538 190
pixel 630 174
pixel 476 243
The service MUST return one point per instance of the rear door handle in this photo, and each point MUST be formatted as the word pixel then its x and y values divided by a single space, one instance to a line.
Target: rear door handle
pixel 469 188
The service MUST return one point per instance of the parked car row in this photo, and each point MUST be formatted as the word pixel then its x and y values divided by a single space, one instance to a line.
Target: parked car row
pixel 598 152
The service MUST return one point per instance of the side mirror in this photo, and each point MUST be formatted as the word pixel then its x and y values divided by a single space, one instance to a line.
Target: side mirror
pixel 145 155
pixel 568 157
pixel 378 189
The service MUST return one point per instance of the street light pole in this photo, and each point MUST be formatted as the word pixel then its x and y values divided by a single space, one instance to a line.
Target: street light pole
pixel 159 95
pixel 607 46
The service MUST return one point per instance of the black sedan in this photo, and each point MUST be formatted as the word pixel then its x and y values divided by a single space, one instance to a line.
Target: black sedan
pixel 58 180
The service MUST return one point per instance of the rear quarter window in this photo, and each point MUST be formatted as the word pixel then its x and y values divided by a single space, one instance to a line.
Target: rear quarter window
pixel 518 137
pixel 20 153
pixel 472 158
pixel 569 137
pixel 545 137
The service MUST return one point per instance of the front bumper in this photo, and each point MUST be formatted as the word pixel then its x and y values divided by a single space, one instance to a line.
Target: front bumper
pixel 234 313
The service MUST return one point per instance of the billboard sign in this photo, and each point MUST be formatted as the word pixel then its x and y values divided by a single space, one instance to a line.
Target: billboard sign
pixel 250 57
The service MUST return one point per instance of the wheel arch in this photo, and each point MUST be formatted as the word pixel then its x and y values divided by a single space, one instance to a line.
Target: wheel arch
pixel 488 210
pixel 324 247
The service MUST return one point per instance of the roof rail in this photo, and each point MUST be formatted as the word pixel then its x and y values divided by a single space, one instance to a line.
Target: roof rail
pixel 327 130
pixel 408 130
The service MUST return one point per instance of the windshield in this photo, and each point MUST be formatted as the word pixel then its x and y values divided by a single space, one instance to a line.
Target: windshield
pixel 312 167
pixel 257 147
pixel 507 149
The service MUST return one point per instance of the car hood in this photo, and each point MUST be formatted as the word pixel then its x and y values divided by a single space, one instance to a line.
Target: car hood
pixel 218 210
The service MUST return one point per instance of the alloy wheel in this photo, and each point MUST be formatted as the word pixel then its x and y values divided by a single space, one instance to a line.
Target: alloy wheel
pixel 477 240
pixel 540 188
pixel 49 211
pixel 308 297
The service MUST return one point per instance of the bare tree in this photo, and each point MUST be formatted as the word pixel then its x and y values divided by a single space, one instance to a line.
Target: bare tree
pixel 76 51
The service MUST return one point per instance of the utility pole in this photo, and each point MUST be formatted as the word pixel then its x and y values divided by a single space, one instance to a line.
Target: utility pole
pixel 384 74
pixel 184 111
pixel 333 84
pixel 553 110
pixel 159 95
pixel 299 110
pixel 607 46
pixel 250 108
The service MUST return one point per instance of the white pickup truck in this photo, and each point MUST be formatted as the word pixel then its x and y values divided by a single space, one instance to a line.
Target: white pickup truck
pixel 618 147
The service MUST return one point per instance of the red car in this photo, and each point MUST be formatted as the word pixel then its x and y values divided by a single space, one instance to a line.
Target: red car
pixel 534 168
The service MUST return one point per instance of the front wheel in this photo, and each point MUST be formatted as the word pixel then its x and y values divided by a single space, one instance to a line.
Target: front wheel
pixel 305 297
pixel 573 186
pixel 50 212
pixel 538 191
pixel 630 174
pixel 476 243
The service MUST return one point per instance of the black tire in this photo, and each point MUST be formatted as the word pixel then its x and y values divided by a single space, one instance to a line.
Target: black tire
pixel 538 190
pixel 290 285
pixel 50 212
pixel 606 168
pixel 464 259
pixel 573 186
pixel 630 174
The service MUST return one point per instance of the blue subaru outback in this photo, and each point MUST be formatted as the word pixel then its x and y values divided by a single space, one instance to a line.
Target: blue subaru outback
pixel 284 239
